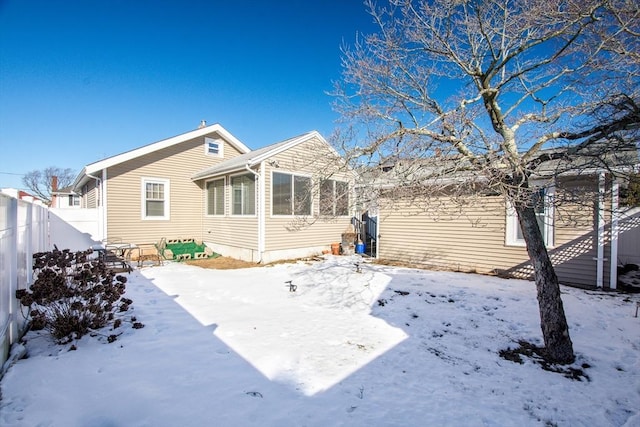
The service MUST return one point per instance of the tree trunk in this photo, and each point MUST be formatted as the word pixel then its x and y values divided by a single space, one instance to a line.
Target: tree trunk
pixel 555 330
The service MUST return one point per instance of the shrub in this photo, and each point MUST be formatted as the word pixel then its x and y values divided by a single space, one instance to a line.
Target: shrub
pixel 73 295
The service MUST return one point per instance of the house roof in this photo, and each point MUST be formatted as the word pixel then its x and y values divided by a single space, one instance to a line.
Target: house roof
pixel 255 157
pixel 605 156
pixel 612 156
pixel 65 190
pixel 92 168
pixel 20 194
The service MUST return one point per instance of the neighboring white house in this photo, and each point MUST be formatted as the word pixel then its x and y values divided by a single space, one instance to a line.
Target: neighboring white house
pixel 65 198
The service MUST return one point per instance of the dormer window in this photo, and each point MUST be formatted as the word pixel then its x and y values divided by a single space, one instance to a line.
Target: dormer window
pixel 213 147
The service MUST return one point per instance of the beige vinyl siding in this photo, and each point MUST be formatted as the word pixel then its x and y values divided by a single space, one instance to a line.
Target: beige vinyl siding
pixel 474 240
pixel 576 234
pixel 90 197
pixel 176 164
pixel 285 234
pixel 312 159
pixel 282 233
pixel 238 232
pixel 231 230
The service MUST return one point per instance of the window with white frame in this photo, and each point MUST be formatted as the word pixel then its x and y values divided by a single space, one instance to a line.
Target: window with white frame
pixel 215 197
pixel 542 203
pixel 243 188
pixel 155 198
pixel 334 198
pixel 214 147
pixel 290 194
pixel 74 200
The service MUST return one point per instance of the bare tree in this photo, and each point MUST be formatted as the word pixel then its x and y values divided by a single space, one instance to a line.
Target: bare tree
pixel 40 182
pixel 495 88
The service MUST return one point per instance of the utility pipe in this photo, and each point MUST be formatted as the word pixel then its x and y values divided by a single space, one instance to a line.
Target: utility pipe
pixel 259 207
pixel 101 200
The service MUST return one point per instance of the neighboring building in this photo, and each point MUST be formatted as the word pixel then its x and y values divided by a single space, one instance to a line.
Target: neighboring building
pixel 481 233
pixel 290 199
pixel 22 195
pixel 65 198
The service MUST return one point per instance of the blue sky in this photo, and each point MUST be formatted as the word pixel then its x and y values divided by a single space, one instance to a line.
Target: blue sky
pixel 84 80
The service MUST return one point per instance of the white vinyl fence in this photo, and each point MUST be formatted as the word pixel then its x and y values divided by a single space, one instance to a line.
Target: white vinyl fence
pixel 27 228
pixel 629 239
pixel 24 230
pixel 75 229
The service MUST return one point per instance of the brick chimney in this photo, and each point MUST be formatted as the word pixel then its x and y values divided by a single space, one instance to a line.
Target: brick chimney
pixel 54 188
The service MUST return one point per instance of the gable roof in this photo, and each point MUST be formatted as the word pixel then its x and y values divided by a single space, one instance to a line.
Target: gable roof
pixel 603 156
pixel 65 190
pixel 255 157
pixel 92 168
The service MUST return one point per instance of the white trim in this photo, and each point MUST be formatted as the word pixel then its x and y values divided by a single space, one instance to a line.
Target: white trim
pixel 262 155
pixel 219 142
pixel 511 226
pixel 102 194
pixel 549 216
pixel 548 233
pixel 601 236
pixel 129 155
pixel 224 199
pixel 255 194
pixel 615 231
pixel 261 211
pixel 293 175
pixel 295 141
pixel 143 198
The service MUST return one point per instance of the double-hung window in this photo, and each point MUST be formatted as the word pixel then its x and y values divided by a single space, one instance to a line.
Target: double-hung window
pixel 290 194
pixel 215 197
pixel 334 198
pixel 243 188
pixel 155 198
pixel 542 203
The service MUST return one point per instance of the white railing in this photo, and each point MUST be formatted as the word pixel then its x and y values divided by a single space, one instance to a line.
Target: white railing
pixel 24 230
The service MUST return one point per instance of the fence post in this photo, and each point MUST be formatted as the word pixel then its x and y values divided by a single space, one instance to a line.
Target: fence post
pixel 8 271
pixel 14 224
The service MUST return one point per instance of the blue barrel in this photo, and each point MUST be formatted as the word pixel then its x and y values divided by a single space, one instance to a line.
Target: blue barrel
pixel 360 248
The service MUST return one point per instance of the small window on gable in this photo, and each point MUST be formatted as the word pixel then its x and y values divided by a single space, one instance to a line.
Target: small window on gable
pixel 542 202
pixel 214 147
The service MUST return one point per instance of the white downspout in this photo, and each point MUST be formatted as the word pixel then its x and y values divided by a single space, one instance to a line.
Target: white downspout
pixel 615 231
pixel 101 203
pixel 600 219
pixel 260 207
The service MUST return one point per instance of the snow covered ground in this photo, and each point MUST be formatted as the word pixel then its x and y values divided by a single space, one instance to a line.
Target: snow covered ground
pixel 382 347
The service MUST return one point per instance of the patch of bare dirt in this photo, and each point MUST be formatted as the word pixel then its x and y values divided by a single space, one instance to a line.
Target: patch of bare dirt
pixel 222 263
pixel 227 263
pixel 527 350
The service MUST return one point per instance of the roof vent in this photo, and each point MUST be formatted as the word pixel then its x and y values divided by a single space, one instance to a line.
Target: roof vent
pixel 203 123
